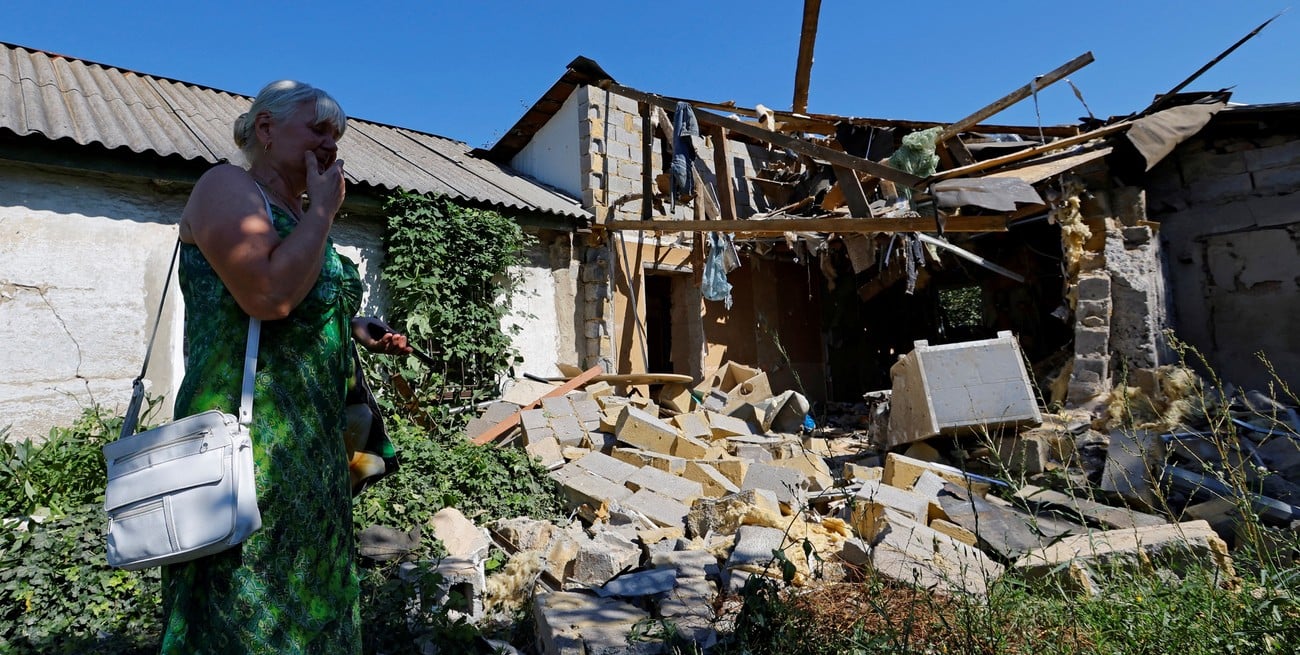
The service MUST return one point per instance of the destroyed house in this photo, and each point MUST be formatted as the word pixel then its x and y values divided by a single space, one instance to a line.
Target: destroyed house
pixel 821 248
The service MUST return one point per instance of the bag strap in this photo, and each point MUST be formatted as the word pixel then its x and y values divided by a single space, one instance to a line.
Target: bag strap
pixel 250 352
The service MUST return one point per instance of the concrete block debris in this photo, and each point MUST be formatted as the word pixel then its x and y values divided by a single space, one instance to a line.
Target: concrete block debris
pixel 686 498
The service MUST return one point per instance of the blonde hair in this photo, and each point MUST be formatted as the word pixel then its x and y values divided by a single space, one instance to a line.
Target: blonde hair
pixel 280 99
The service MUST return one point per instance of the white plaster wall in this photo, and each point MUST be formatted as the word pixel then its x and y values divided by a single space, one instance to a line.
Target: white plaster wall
pixel 82 262
pixel 533 309
pixel 552 156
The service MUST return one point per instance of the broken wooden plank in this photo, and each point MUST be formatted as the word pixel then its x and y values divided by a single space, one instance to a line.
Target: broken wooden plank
pixel 647 147
pixel 803 66
pixel 825 123
pixel 997 223
pixel 1037 171
pixel 704 192
pixel 1029 153
pixel 1015 96
pixel 959 151
pixel 722 174
pixel 1162 99
pixel 501 429
pixel 795 144
pixel 854 196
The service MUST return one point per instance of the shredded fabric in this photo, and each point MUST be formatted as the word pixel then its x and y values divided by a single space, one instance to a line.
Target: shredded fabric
pixel 715 286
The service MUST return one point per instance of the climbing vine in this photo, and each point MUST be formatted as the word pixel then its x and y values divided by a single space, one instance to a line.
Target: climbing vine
pixel 450 272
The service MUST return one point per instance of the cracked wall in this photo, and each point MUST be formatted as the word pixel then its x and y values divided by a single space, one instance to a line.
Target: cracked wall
pixel 82 262
pixel 1230 226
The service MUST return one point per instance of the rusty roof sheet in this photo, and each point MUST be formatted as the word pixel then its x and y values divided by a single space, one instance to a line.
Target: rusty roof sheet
pixel 61 97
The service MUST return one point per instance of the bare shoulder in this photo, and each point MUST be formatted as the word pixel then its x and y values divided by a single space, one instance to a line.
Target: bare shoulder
pixel 223 194
pixel 223 180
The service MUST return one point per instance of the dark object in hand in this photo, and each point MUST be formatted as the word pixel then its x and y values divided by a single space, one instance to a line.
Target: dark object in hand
pixel 377 332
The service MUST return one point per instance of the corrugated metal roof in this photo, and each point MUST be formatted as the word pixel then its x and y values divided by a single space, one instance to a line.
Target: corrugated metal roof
pixel 61 97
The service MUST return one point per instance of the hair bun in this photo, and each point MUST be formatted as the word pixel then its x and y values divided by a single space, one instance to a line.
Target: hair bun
pixel 241 130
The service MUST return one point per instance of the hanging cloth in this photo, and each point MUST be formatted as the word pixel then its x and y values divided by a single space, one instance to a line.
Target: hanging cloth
pixel 715 286
pixel 686 133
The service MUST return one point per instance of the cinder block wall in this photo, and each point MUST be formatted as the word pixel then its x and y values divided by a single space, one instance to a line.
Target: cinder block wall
pixel 1230 226
pixel 610 134
pixel 612 162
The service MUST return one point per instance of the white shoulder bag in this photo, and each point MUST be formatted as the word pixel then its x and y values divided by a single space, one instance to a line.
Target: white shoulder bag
pixel 185 489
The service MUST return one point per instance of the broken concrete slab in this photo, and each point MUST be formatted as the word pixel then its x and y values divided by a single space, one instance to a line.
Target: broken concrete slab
pixel 691 448
pixel 664 511
pixel 723 426
pixel 547 452
pixel 734 468
pixel 639 584
pixel 604 556
pixel 1006 531
pixel 715 484
pixel 695 426
pixel 639 428
pixel 604 466
pixel 1022 455
pixel 688 563
pixel 1083 562
pixel 874 498
pixel 753 453
pixel 1199 485
pixel 581 486
pixel 912 553
pixel 461 537
pixel 811 465
pixel 943 526
pixel 790 485
pixel 855 552
pixel 754 547
pixel 677 488
pixel 570 623
pixel 903 472
pixel 639 458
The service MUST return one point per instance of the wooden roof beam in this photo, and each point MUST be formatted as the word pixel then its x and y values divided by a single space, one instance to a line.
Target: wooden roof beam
pixel 829 155
pixel 1012 98
pixel 1027 153
pixel 803 67
pixel 996 223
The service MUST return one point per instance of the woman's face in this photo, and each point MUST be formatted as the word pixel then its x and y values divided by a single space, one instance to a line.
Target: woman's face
pixel 300 132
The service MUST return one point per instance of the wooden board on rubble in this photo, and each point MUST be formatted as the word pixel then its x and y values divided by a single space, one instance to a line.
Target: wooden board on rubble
pixel 501 429
pixel 636 378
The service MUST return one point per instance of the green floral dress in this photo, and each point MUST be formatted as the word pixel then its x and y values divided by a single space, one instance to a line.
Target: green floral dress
pixel 291 587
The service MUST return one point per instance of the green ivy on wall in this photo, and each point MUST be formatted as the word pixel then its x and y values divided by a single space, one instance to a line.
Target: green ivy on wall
pixel 450 271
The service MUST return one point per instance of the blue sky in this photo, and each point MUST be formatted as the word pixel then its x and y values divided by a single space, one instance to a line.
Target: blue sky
pixel 467 70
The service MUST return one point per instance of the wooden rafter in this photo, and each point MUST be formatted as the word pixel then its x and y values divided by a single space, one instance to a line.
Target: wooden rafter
pixel 996 223
pixel 1012 98
pixel 801 146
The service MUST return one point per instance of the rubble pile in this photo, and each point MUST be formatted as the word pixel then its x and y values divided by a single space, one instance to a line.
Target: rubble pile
pixel 681 499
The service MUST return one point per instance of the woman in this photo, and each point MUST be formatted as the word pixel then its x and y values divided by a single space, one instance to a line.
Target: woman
pixel 291 587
